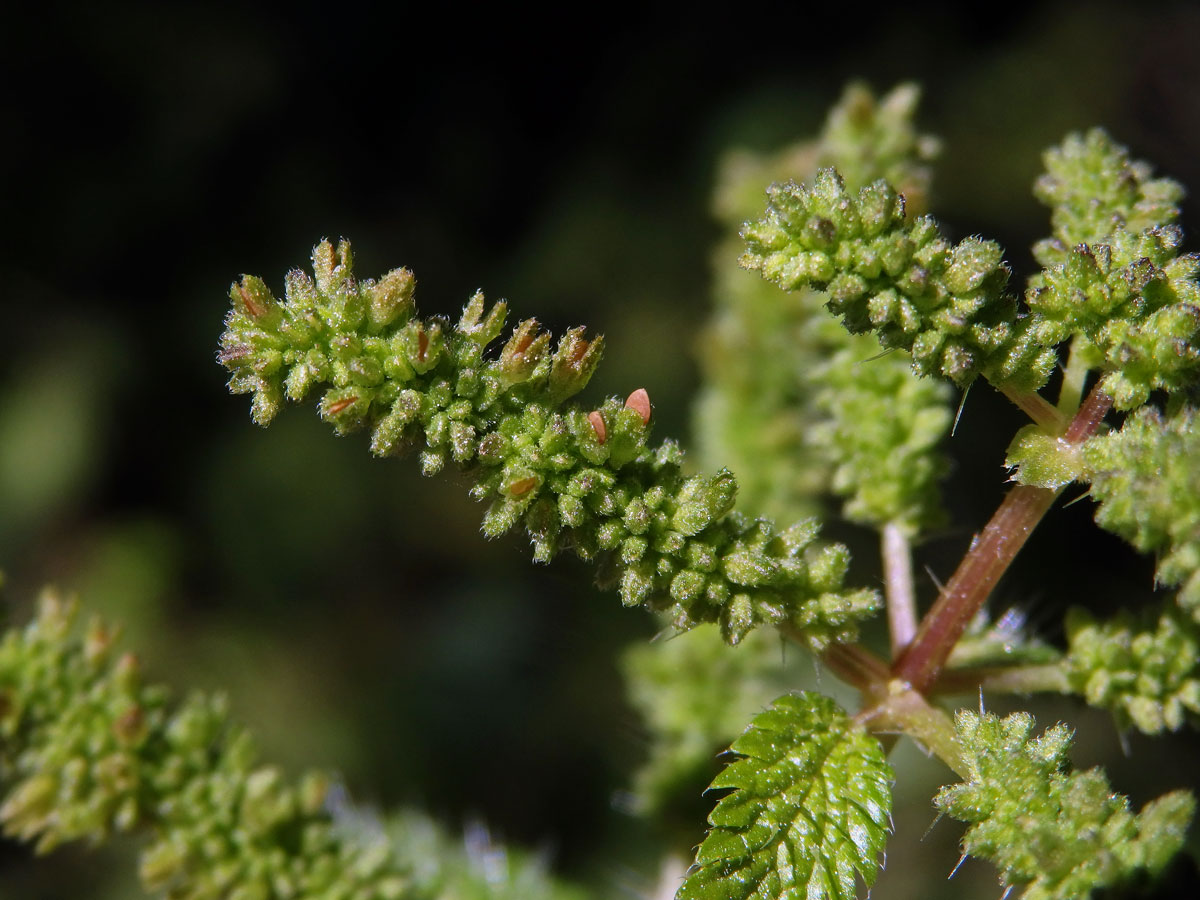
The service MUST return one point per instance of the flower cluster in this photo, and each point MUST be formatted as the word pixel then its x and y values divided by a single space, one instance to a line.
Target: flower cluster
pixel 947 304
pixel 1061 834
pixel 90 751
pixel 1113 275
pixel 577 479
pixel 1146 479
pixel 1148 674
pixel 845 417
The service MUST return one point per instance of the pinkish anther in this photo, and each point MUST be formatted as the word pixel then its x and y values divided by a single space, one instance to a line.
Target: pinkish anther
pixel 639 401
pixel 597 421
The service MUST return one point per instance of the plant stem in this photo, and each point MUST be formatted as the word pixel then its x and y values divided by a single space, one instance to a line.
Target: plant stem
pixel 853 663
pixel 891 707
pixel 1074 376
pixel 1029 679
pixel 990 555
pixel 857 666
pixel 1037 408
pixel 898 587
pixel 901 710
pixel 1089 416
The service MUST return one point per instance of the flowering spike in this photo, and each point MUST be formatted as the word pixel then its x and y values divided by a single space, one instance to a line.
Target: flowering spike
pixel 948 305
pixel 845 416
pixel 584 480
pixel 1145 669
pixel 1146 478
pixel 1094 189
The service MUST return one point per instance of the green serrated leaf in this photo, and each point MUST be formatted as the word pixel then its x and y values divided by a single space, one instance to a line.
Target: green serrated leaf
pixel 1059 834
pixel 809 809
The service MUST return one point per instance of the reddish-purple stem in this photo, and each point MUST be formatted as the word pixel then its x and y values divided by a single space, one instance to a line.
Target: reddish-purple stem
pixel 988 558
pixel 856 666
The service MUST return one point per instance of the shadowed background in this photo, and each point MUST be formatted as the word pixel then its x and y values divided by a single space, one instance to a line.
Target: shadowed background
pixel 153 153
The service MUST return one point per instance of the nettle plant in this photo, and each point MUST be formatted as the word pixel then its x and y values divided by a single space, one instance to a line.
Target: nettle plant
pixel 829 391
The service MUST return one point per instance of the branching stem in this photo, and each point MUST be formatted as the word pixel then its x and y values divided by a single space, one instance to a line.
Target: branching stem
pixel 852 663
pixel 987 560
pixel 1089 416
pixel 906 711
pixel 890 707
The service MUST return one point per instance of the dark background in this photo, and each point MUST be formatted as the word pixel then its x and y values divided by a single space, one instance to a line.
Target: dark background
pixel 153 153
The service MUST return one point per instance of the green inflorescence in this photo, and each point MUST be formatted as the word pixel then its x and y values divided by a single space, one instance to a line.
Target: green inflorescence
pixel 809 809
pixel 808 409
pixel 798 407
pixel 1060 834
pixel 1093 188
pixel 1115 286
pixel 1146 478
pixel 947 304
pixel 584 481
pixel 882 429
pixel 1113 279
pixel 1147 672
pixel 89 752
pixel 866 139
pixel 1113 276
